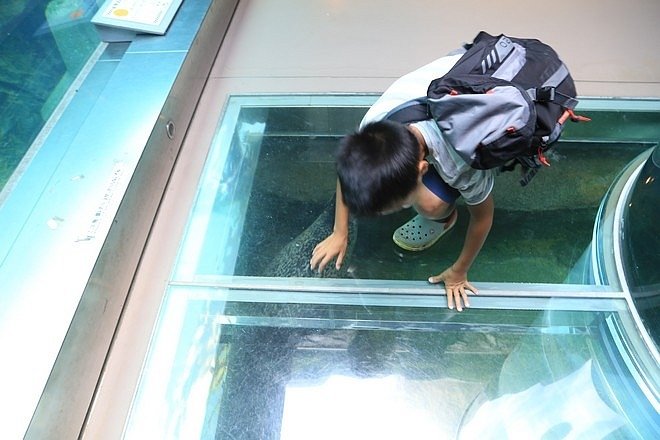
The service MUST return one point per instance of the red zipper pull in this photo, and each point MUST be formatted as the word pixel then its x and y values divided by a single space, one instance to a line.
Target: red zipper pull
pixel 544 160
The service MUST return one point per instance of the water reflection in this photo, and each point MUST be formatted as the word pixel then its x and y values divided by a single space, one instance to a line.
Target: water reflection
pixel 567 408
pixel 43 46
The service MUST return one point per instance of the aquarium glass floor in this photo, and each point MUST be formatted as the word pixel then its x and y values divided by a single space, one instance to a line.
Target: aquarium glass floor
pixel 251 344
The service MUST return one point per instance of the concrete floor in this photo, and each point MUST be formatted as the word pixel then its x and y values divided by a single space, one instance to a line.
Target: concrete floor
pixel 337 45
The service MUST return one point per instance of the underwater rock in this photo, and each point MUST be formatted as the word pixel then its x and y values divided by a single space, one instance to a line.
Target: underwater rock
pixel 259 363
pixel 293 259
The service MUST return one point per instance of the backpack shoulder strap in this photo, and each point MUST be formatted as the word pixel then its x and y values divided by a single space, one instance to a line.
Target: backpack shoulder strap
pixel 548 92
pixel 414 110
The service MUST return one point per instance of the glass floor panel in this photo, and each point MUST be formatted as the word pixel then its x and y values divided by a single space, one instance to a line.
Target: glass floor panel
pixel 251 344
pixel 266 199
pixel 224 365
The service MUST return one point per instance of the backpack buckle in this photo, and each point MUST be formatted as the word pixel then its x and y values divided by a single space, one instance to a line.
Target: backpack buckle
pixel 545 94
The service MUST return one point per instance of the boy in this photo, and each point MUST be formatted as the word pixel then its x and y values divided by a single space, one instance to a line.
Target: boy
pixel 387 166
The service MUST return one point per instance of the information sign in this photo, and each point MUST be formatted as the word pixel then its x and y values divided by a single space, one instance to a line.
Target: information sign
pixel 121 20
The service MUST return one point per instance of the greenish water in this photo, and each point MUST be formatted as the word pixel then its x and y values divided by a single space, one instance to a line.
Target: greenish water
pixel 539 232
pixel 43 46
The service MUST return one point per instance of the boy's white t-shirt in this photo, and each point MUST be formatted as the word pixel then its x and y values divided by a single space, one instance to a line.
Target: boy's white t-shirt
pixel 474 185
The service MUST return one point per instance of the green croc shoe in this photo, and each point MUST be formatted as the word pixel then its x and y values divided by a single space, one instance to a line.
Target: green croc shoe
pixel 421 233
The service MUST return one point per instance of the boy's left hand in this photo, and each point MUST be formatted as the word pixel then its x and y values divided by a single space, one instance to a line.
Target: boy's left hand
pixel 456 287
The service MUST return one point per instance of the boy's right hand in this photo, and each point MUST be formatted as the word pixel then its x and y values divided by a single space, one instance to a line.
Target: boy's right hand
pixel 333 246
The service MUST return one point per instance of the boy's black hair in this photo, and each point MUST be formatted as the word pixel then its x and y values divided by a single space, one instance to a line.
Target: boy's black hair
pixel 377 165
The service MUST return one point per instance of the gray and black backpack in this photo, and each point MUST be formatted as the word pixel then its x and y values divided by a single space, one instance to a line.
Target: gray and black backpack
pixel 503 103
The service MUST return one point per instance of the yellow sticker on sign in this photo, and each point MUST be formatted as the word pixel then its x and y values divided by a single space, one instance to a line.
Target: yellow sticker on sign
pixel 149 12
